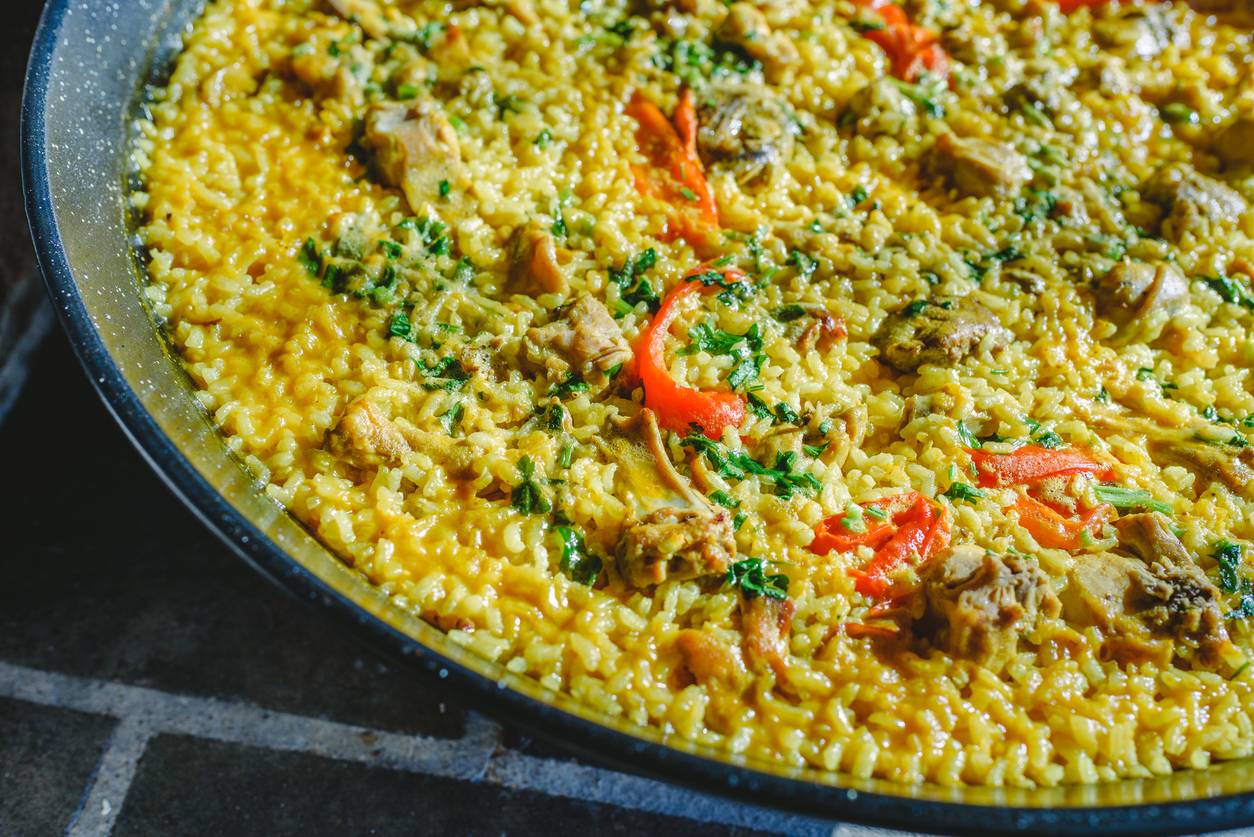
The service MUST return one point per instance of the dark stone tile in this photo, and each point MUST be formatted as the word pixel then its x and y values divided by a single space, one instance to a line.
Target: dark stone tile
pixel 187 787
pixel 46 756
pixel 108 576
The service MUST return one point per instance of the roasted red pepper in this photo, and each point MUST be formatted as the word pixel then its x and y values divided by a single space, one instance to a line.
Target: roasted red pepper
pixel 1032 463
pixel 674 173
pixel 1051 529
pixel 912 49
pixel 913 526
pixel 678 406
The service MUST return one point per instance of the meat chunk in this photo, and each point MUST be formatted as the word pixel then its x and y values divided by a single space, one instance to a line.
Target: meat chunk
pixel 367 435
pixel 744 130
pixel 533 267
pixel 881 107
pixel 767 624
pixel 978 168
pixel 367 438
pixel 673 532
pixel 1136 291
pixel 1191 201
pixel 416 149
pixel 942 331
pixel 584 340
pixel 810 326
pixel 677 544
pixel 1158 591
pixel 1147 536
pixel 1234 144
pixel 1209 463
pixel 747 28
pixel 710 661
pixel 984 602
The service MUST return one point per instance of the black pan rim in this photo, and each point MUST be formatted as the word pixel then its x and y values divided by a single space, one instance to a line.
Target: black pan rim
pixel 595 741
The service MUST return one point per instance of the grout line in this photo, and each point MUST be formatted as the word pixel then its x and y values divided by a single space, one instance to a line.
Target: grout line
pixel 474 757
pixel 107 790
pixel 161 712
pixel 559 778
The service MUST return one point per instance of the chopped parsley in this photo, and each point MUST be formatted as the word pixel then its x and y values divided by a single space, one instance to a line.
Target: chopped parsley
pixel 543 138
pixel 635 288
pixel 527 497
pixel 573 384
pixel 464 270
pixel 689 194
pixel 452 418
pixel 447 373
pixel 815 451
pixel 401 327
pixel 739 465
pixel 967 437
pixel 725 500
pixel 1228 556
pixel 580 565
pixel 390 249
pixel 1230 290
pixel 961 492
pixel 445 188
pixel 804 264
pixel 1175 113
pixel 309 257
pixel 750 576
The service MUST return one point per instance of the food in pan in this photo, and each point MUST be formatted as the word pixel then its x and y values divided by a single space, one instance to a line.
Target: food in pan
pixel 848 385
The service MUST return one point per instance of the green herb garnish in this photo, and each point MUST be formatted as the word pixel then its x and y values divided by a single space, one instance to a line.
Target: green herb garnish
pixel 750 576
pixel 527 497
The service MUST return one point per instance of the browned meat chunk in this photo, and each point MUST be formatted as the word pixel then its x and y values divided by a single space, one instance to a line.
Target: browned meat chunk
pixel 1191 201
pixel 811 326
pixel 367 434
pixel 767 624
pixel 747 28
pixel 978 168
pixel 1147 536
pixel 415 150
pixel 369 439
pixel 985 601
pixel 533 267
pixel 744 130
pixel 1160 591
pixel 677 544
pixel 583 341
pixel 1234 144
pixel 325 77
pixel 709 660
pixel 942 331
pixel 1209 463
pixel 1134 290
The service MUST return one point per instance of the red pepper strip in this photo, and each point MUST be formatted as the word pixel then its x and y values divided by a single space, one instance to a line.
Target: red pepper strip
pixel 913 525
pixel 678 406
pixel 1033 462
pixel 674 174
pixel 831 534
pixel 912 49
pixel 1051 529
pixel 924 535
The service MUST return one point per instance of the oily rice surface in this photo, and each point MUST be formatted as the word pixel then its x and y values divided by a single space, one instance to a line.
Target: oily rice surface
pixel 251 150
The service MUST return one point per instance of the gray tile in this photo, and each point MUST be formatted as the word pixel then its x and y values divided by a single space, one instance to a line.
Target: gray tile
pixel 187 787
pixel 108 576
pixel 46 757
